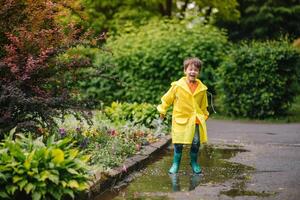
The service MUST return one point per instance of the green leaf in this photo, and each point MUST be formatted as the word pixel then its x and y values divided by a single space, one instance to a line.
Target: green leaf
pixel 63 183
pixel 85 158
pixel 44 175
pixel 17 178
pixel 72 171
pixel 69 192
pixel 4 195
pixel 36 196
pixel 73 153
pixel 73 184
pixel 20 171
pixel 10 189
pixel 29 187
pixel 3 176
pixel 30 173
pixel 56 193
pixel 22 183
pixel 83 186
pixel 54 178
pixel 12 131
pixel 58 156
pixel 50 140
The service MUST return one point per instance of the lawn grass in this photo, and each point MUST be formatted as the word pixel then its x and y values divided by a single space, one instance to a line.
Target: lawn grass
pixel 293 115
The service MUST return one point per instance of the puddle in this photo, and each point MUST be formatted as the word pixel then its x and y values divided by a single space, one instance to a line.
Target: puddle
pixel 239 189
pixel 154 182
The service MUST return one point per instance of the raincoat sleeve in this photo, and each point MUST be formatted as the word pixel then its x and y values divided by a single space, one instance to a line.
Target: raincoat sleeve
pixel 167 100
pixel 204 105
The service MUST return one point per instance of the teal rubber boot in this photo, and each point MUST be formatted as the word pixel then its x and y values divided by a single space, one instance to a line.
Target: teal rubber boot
pixel 176 162
pixel 195 166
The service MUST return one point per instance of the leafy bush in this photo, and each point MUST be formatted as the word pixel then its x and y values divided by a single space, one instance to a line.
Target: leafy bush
pixel 33 85
pixel 113 152
pixel 259 79
pixel 143 113
pixel 148 59
pixel 102 141
pixel 110 140
pixel 31 169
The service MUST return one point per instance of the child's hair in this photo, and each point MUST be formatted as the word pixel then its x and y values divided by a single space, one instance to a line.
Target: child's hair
pixel 192 61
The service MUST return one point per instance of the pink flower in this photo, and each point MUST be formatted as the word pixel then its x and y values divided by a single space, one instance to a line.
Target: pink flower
pixel 113 132
pixel 62 132
pixel 124 169
pixel 138 147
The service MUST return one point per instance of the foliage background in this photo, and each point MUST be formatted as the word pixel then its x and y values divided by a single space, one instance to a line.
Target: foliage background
pixel 148 59
pixel 259 79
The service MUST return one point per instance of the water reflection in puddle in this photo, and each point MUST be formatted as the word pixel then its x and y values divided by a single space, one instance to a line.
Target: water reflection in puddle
pixel 154 182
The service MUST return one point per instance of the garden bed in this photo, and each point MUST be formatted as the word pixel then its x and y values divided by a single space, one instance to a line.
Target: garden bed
pixel 103 181
pixel 84 157
pixel 120 140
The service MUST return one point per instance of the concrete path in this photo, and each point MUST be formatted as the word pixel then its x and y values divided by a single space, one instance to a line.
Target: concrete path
pixel 274 152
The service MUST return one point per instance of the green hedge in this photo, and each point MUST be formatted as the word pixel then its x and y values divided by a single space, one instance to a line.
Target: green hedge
pixel 258 79
pixel 148 59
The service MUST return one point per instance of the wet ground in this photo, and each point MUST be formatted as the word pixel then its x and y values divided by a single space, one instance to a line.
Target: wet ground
pixel 154 182
pixel 245 161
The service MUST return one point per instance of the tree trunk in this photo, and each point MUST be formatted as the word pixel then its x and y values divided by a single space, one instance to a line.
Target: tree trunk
pixel 169 7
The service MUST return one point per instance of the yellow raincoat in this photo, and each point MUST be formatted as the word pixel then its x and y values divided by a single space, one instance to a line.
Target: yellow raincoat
pixel 186 107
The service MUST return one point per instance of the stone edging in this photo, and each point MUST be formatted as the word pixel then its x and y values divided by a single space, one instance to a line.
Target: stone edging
pixel 98 186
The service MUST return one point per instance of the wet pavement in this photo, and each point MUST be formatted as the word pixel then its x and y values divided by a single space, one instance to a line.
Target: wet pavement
pixel 273 150
pixel 241 161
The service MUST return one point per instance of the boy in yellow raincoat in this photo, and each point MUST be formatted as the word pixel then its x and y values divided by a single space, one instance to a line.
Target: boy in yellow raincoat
pixel 189 99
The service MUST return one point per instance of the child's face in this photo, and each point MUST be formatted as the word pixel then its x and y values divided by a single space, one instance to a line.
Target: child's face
pixel 191 73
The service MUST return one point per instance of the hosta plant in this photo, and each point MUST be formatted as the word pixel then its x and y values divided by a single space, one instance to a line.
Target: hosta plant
pixel 32 169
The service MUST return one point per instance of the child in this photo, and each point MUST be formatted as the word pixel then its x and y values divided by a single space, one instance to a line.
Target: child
pixel 189 99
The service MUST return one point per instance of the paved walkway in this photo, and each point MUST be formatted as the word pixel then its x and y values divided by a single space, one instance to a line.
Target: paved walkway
pixel 274 151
